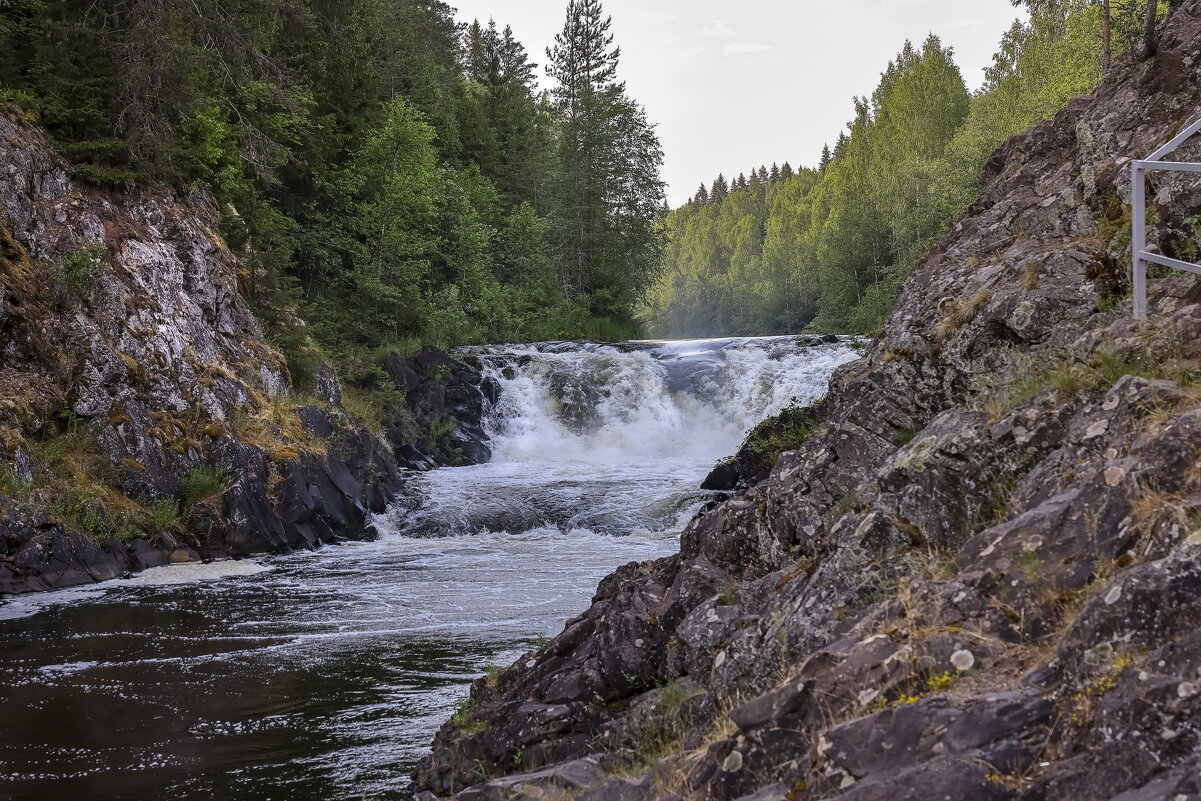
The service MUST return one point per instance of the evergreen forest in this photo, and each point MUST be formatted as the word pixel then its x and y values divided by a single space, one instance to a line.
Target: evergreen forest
pixel 391 177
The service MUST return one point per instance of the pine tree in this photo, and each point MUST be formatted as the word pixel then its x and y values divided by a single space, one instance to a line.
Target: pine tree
pixel 826 158
pixel 609 190
pixel 774 175
pixel 720 191
pixel 786 171
pixel 583 59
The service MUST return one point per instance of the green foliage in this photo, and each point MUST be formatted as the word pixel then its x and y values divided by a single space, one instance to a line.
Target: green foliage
pixel 204 484
pixel 828 248
pixel 162 516
pixel 84 509
pixel 11 483
pixel 387 174
pixel 70 276
pixel 464 718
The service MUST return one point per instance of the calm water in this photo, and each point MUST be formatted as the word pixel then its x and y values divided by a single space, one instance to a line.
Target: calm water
pixel 325 675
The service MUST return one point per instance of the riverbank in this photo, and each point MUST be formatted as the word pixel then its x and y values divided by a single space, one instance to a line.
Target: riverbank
pixel 145 418
pixel 326 674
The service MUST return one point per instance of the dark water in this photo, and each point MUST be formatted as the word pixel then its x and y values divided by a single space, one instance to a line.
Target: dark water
pixel 324 676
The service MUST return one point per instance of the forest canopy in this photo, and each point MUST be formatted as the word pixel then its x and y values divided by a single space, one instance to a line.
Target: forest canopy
pixel 827 247
pixel 391 176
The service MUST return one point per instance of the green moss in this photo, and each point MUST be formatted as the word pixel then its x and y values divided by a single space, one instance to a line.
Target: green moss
pixel 785 432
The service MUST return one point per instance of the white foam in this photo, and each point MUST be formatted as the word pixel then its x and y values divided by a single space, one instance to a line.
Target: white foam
pixel 19 606
pixel 196 572
pixel 692 400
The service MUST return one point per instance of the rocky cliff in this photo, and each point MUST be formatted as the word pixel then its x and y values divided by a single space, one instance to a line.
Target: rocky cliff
pixel 979 577
pixel 144 419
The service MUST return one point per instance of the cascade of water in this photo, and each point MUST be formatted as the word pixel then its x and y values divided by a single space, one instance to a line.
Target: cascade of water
pixel 689 400
pixel 614 439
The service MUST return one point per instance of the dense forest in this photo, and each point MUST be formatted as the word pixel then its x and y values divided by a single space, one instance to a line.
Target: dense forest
pixel 827 247
pixel 394 177
pixel 391 176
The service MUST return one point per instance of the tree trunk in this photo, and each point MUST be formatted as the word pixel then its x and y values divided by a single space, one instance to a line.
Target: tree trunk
pixel 1106 35
pixel 1150 30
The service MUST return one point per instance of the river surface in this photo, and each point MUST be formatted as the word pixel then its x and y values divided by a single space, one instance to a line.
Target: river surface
pixel 324 676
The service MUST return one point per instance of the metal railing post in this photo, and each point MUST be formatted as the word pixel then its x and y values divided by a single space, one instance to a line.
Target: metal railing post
pixel 1138 238
pixel 1138 216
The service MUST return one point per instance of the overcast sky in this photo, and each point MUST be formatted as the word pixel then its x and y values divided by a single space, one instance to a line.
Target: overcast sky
pixel 733 85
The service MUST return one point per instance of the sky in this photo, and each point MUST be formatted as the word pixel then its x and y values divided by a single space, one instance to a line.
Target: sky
pixel 732 85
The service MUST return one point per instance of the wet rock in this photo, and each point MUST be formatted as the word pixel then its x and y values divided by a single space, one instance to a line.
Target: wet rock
pixel 445 403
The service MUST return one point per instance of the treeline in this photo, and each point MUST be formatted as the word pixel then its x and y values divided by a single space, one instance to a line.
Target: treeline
pixel 760 179
pixel 391 175
pixel 828 247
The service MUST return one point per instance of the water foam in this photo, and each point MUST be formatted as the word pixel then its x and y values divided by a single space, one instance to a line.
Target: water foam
pixel 613 439
pixel 691 401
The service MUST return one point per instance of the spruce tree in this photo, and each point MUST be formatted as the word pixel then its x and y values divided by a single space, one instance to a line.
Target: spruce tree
pixel 609 190
pixel 720 189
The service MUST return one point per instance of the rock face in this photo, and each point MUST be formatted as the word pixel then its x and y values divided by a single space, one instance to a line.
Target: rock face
pixel 978 578
pixel 143 414
pixel 446 400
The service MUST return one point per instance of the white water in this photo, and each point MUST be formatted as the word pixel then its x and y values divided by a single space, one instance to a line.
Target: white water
pixel 614 439
pixel 325 675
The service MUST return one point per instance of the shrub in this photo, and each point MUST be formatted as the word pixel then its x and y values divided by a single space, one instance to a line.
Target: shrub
pixel 163 516
pixel 204 484
pixel 70 276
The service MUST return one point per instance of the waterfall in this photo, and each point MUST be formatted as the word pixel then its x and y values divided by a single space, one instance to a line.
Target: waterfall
pixel 614 439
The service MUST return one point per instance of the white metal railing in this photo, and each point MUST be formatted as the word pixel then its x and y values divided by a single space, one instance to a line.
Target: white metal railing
pixel 1138 216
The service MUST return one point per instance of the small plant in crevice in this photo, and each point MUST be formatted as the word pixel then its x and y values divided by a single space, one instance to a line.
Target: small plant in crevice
pixel 12 483
pixel 70 275
pixel 464 718
pixel 906 435
pixel 204 484
pixel 492 675
pixel 439 429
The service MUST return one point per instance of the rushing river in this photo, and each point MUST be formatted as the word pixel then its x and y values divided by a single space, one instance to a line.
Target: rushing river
pixel 324 675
